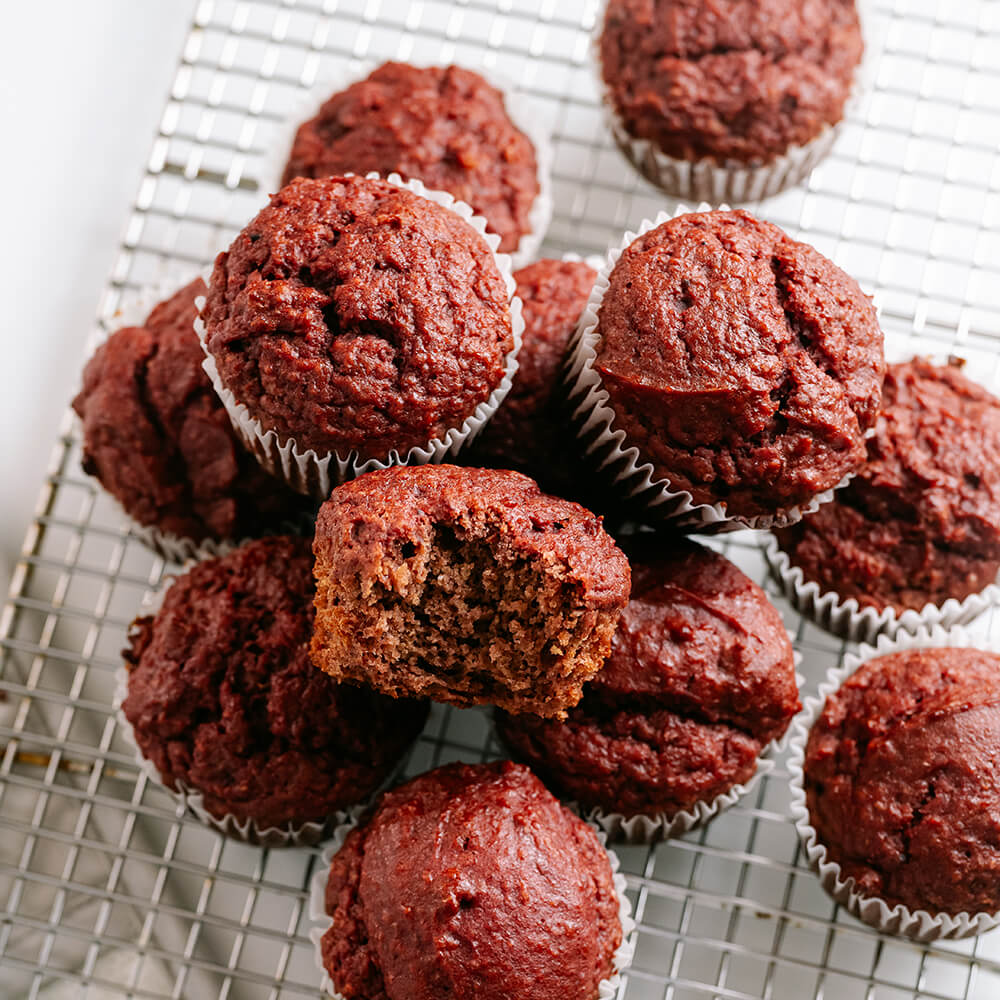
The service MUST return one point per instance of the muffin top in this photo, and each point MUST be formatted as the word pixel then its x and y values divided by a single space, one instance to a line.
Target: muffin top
pixel 456 887
pixel 355 316
pixel 921 520
pixel 369 519
pixel 901 779
pixel 527 431
pixel 733 80
pixel 223 699
pixel 701 677
pixel 745 366
pixel 444 125
pixel 159 440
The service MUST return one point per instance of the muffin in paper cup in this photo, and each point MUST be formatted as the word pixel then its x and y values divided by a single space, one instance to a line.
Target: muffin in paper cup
pixel 848 620
pixel 918 925
pixel 649 828
pixel 249 830
pixel 316 474
pixel 282 512
pixel 609 988
pixel 730 181
pixel 647 497
pixel 519 106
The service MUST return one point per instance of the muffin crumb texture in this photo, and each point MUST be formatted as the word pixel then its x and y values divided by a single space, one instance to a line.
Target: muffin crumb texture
pixel 901 779
pixel 469 586
pixel 471 881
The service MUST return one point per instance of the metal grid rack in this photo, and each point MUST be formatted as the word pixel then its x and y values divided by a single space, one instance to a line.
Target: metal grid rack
pixel 108 890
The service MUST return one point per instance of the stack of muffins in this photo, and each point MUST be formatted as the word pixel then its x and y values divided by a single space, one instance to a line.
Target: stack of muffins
pixel 365 343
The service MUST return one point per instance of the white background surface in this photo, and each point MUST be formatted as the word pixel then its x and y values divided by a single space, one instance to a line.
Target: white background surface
pixel 82 85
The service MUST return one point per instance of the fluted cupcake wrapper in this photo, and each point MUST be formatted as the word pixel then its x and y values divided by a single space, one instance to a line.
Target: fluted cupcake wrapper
pixel 520 108
pixel 918 925
pixel 844 617
pixel 316 474
pixel 731 181
pixel 608 988
pixel 608 446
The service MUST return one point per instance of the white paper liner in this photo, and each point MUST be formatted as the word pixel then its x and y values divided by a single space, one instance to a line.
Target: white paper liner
pixel 520 108
pixel 847 619
pixel 594 419
pixel 733 181
pixel 919 925
pixel 608 988
pixel 314 474
pixel 289 835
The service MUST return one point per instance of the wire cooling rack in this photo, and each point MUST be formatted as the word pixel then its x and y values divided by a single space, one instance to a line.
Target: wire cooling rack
pixel 109 891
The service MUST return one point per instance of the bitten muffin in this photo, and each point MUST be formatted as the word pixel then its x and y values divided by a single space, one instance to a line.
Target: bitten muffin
pixel 445 126
pixel 471 882
pixel 528 432
pixel 224 701
pixel 353 316
pixel 159 441
pixel 920 523
pixel 744 366
pixel 901 779
pixel 468 586
pixel 732 81
pixel 701 677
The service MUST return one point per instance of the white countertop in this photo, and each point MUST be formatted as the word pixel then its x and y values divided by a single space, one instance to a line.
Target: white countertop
pixel 81 90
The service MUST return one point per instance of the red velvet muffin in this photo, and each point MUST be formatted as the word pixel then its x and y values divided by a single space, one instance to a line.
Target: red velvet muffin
pixel 701 677
pixel 733 83
pixel 745 367
pixel 920 523
pixel 223 700
pixel 445 126
pixel 157 438
pixel 528 432
pixel 469 586
pixel 355 317
pixel 473 883
pixel 901 779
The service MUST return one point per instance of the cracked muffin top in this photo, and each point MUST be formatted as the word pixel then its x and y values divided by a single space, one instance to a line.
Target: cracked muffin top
pixel 901 779
pixel 444 125
pixel 352 315
pixel 157 437
pixel 921 520
pixel 701 677
pixel 223 699
pixel 732 80
pixel 744 366
pixel 471 881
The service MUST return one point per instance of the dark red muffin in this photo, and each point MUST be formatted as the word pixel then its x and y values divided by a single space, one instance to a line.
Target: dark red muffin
pixel 473 883
pixel 744 366
pixel 528 432
pixel 733 80
pixel 901 779
pixel 445 126
pixel 354 316
pixel 159 441
pixel 701 677
pixel 223 700
pixel 920 523
pixel 469 586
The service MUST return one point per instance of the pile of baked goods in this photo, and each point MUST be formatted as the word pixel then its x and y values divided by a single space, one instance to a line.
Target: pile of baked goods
pixel 506 466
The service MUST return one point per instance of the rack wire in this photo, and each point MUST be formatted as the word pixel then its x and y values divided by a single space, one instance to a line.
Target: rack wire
pixel 109 890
